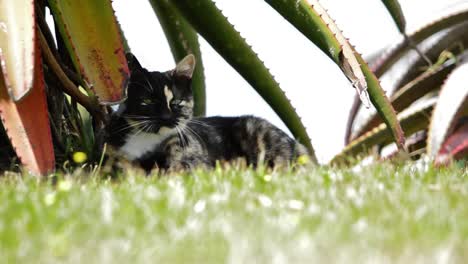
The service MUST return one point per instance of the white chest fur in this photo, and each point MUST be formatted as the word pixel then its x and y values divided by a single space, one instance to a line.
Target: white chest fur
pixel 138 144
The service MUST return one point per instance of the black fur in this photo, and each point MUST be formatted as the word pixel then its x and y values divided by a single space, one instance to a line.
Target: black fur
pixel 153 131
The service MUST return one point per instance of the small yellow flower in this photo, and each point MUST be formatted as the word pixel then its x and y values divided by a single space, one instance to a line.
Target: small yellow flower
pixel 79 157
pixel 64 186
pixel 267 177
pixel 50 198
pixel 303 159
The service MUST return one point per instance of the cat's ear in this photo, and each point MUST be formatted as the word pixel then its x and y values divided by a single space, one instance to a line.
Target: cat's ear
pixel 186 67
pixel 132 62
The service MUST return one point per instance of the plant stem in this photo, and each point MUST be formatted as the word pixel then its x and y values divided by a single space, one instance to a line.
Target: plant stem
pixel 67 85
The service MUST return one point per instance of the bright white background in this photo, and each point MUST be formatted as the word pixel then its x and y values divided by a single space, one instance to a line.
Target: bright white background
pixel 316 87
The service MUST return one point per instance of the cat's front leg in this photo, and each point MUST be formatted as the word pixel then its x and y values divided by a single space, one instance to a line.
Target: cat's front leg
pixel 186 156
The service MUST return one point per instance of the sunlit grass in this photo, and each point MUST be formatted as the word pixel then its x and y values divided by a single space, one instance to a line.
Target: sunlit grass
pixel 383 213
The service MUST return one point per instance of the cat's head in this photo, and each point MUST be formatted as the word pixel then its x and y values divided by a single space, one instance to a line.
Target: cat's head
pixel 158 100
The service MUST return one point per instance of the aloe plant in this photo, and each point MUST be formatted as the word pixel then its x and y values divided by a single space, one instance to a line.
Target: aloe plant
pixel 87 70
pixel 443 82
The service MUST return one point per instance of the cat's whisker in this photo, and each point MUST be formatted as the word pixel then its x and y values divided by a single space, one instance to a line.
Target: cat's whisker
pixel 131 125
pixel 194 133
pixel 139 117
pixel 139 131
pixel 182 131
pixel 184 138
pixel 141 126
pixel 147 127
pixel 181 137
pixel 199 123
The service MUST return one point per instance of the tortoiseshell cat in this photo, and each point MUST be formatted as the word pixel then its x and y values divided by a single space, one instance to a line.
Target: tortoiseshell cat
pixel 155 128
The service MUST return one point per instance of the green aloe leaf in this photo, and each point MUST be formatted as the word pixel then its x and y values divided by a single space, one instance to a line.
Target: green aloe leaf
pixel 312 20
pixel 93 39
pixel 412 120
pixel 427 82
pixel 183 40
pixel 17 52
pixel 452 102
pixel 208 20
pixel 27 123
pixel 394 8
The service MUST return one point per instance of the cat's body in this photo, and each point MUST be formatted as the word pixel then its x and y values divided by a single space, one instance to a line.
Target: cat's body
pixel 203 141
pixel 155 127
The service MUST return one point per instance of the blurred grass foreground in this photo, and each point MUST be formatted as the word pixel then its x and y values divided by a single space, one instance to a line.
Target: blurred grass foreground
pixel 382 213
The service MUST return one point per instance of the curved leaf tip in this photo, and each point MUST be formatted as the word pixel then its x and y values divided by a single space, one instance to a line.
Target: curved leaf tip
pixel 17 52
pixel 453 100
pixel 93 39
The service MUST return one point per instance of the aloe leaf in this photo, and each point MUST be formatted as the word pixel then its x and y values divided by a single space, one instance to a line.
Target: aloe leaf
pixel 183 40
pixel 313 21
pixel 92 37
pixel 416 145
pixel 456 35
pixel 412 120
pixel 394 8
pixel 452 102
pixel 390 57
pixel 442 47
pixel 455 147
pixel 27 124
pixel 209 22
pixel 425 83
pixel 17 51
pixel 310 18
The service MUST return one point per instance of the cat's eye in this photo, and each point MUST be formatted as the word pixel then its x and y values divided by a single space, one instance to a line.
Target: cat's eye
pixel 146 102
pixel 177 102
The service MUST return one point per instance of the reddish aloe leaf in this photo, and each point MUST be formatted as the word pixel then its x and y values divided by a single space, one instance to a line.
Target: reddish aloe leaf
pixel 17 46
pixel 92 37
pixel 27 124
pixel 445 46
pixel 389 58
pixel 452 103
pixel 455 147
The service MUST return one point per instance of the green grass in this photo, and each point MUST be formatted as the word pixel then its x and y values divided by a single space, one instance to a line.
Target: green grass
pixel 384 213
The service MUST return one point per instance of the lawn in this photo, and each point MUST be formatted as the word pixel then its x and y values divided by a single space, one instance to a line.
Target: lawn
pixel 382 213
